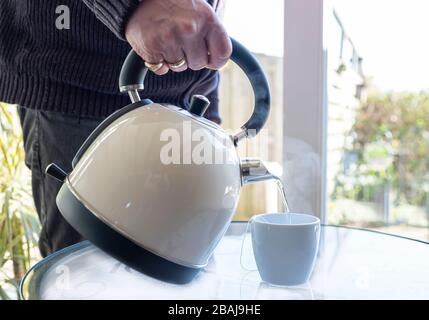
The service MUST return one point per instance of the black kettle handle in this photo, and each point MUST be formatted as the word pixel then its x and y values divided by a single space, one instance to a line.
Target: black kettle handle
pixel 134 71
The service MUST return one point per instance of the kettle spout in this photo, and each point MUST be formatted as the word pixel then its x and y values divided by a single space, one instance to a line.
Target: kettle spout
pixel 254 170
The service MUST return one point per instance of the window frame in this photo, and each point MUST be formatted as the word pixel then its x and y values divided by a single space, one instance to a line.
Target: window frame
pixel 305 106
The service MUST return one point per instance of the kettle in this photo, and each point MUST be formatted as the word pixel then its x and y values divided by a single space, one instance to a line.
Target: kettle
pixel 155 185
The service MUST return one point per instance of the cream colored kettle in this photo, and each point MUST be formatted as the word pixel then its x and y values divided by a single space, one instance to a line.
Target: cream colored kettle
pixel 155 185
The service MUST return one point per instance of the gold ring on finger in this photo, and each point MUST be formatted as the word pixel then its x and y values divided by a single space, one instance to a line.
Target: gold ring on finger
pixel 177 64
pixel 154 66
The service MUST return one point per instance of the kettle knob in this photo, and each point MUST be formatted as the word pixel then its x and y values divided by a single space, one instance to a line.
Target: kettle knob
pixel 199 105
pixel 56 172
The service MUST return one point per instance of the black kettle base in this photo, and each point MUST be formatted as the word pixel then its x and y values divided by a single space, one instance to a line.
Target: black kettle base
pixel 117 245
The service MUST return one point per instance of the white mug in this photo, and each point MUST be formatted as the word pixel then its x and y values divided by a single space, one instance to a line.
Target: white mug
pixel 285 246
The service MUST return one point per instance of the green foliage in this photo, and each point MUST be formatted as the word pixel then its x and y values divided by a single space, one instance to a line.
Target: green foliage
pixel 19 226
pixel 391 141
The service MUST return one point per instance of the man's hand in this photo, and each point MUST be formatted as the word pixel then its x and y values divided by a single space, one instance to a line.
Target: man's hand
pixel 168 31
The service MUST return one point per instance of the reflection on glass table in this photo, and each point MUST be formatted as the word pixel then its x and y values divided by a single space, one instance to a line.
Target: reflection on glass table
pixel 352 264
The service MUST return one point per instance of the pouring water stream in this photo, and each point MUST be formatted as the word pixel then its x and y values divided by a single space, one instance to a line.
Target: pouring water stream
pixel 286 209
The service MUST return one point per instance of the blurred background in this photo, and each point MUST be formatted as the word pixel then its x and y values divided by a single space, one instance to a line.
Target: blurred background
pixel 376 166
pixel 377 81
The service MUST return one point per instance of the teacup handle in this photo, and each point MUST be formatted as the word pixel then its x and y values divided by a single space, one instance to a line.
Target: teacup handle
pixel 242 246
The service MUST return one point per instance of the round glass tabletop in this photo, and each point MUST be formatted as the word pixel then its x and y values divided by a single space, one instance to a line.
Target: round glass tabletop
pixel 351 264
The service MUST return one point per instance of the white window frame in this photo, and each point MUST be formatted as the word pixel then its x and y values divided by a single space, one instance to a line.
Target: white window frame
pixel 305 106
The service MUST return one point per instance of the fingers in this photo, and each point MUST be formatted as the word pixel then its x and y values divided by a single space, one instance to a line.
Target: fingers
pixel 166 49
pixel 169 31
pixel 178 49
pixel 175 59
pixel 196 53
pixel 157 68
pixel 219 47
pixel 153 56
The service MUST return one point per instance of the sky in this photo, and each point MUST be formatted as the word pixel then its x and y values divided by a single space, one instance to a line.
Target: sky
pixel 390 35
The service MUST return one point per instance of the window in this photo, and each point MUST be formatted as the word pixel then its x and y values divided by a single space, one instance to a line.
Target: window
pixel 378 120
pixel 349 140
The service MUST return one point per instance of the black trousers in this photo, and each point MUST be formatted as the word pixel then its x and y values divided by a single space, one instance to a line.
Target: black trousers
pixel 52 137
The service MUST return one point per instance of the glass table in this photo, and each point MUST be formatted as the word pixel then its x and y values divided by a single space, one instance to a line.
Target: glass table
pixel 352 264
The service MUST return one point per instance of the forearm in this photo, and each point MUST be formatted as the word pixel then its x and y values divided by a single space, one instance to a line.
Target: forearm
pixel 113 13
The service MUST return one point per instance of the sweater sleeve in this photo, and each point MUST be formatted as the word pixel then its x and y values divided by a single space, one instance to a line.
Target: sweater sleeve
pixel 113 13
